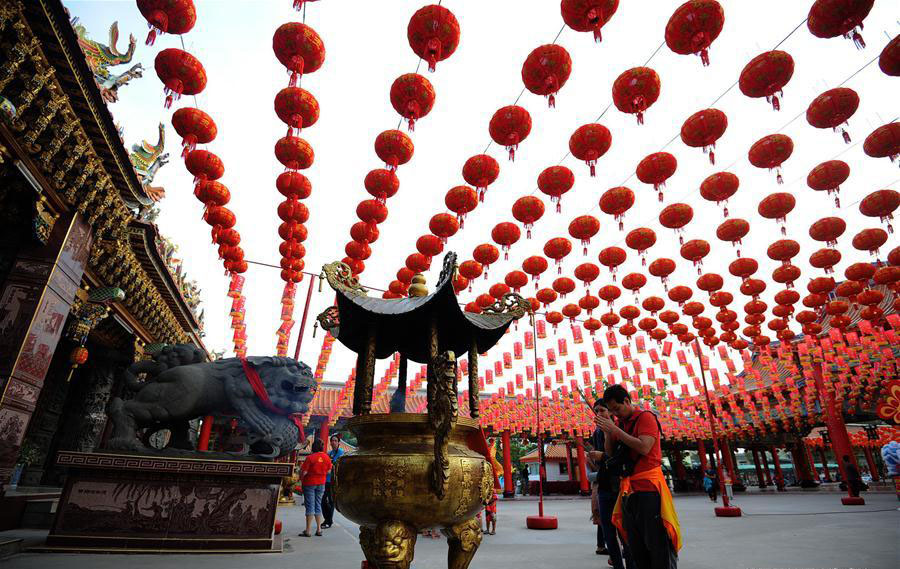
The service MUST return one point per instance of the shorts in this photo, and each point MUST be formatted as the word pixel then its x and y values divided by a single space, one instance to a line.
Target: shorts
pixel 312 499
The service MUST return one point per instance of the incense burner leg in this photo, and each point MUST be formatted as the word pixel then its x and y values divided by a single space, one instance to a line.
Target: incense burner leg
pixel 389 545
pixel 463 540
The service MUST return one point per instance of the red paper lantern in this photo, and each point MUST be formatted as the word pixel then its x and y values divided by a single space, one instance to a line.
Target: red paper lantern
pixel 461 200
pixel 499 290
pixel 662 268
pixel 833 108
pixel 372 212
pixel 296 108
pixel 167 16
pixel 770 152
pixel 640 240
pixel 676 216
pixel 299 48
pixel 710 282
pixel 825 259
pixel 554 318
pixel 615 202
pixel 589 303
pixel 394 148
pixel 527 210
pixel 702 129
pixel 776 206
pixel 733 230
pixel 656 169
pixel 609 294
pixel 680 294
pixel 546 296
pixel 827 229
pixel 870 240
pixel 832 18
pixel 694 26
pixel 884 142
pixel 828 177
pixel 563 285
pixel 587 273
pixel 460 283
pixel 557 248
pixel 429 245
pixel 357 250
pixel 583 228
pixel 204 165
pixel 443 225
pixel 433 34
pixel 194 127
pixel 610 319
pixel 611 258
pixel 412 96
pixel 293 210
pixel 766 75
pixel 589 142
pixel 509 126
pixel 546 70
pixel 219 217
pixel 293 185
pixel 881 204
pixel 505 234
pixel 294 153
pixel 743 267
pixel 534 266
pixel 635 90
pixel 480 171
pixel 292 230
pixel 381 184
pixel 719 187
pixel 180 72
pixel 365 233
pixel 555 181
pixel 418 263
pixel 516 280
pixel 634 282
pixel 212 193
pixel 588 15
pixel 484 300
pixel 473 308
pixel 889 60
pixel 783 250
pixel 471 270
pixel 486 255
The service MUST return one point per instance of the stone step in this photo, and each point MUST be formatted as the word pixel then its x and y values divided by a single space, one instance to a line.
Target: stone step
pixel 10 547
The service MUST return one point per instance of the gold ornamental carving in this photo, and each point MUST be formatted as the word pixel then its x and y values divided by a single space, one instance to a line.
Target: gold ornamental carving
pixel 340 277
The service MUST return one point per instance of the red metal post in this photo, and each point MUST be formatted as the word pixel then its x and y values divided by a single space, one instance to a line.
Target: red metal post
pixel 312 282
pixel 508 488
pixel 701 453
pixel 825 469
pixel 776 462
pixel 205 431
pixel 323 432
pixel 761 482
pixel 582 467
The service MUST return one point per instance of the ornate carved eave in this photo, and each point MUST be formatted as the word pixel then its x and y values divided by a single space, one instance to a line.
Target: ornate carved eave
pixel 49 22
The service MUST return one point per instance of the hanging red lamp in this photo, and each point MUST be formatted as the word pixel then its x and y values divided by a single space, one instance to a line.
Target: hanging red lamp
pixel 564 286
pixel 294 153
pixel 296 108
pixel 615 202
pixel 883 142
pixel 694 26
pixel 833 108
pixel 588 15
pixel 168 17
pixel 204 165
pixel 776 206
pixel 180 72
pixel 635 90
pixel 365 233
pixel 555 181
pixel 655 169
pixel 534 266
pixel 771 152
pixel 527 210
pixel 433 34
pixel 509 126
pixel 662 268
pixel 828 177
pixel 470 270
pixel 461 200
pixel 583 228
pixel 429 245
pixel 443 225
pixel 702 129
pixel 194 127
pixel 719 187
pixel 640 240
pixel 557 248
pixel 733 230
pixel 611 258
pixel 480 171
pixel 515 280
pixel 546 70
pixel 827 230
pixel 589 142
pixel 381 184
pixel 412 96
pixel 394 148
pixel 372 212
pixel 505 234
pixel 889 60
pixel 211 193
pixel 587 273
pixel 299 49
pixel 676 216
pixel 766 75
pixel 832 18
pixel 881 204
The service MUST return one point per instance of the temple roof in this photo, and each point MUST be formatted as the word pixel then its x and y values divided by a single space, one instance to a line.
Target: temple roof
pixel 402 324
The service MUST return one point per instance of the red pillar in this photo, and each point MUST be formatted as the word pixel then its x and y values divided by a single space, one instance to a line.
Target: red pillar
pixel 873 466
pixel 760 481
pixel 323 432
pixel 582 467
pixel 809 459
pixel 801 465
pixel 837 430
pixel 508 488
pixel 205 431
pixel 701 453
pixel 825 468
pixel 766 470
pixel 680 472
pixel 779 476
pixel 729 463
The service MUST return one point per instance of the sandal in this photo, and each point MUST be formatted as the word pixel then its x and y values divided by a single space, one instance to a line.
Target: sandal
pixel 303 534
pixel 319 533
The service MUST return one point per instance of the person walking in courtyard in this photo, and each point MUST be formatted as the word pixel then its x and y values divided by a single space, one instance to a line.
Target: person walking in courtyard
pixel 312 477
pixel 854 480
pixel 604 491
pixel 334 454
pixel 524 476
pixel 490 516
pixel 644 511
pixel 711 485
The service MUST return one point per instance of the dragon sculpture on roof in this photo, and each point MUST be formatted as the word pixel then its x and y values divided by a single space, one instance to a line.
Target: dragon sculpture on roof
pixel 147 159
pixel 100 58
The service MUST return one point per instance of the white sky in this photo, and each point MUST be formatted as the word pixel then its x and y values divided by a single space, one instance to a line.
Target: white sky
pixel 367 49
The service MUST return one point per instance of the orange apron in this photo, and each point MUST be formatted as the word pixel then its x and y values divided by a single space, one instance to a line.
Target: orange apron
pixel 666 505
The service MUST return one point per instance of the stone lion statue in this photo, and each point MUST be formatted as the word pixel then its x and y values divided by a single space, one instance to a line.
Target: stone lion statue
pixel 180 385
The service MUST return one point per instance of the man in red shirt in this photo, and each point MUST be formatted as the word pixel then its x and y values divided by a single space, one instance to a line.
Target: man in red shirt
pixel 643 515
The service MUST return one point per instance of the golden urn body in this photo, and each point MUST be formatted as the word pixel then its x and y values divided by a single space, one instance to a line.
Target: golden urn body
pixel 385 487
